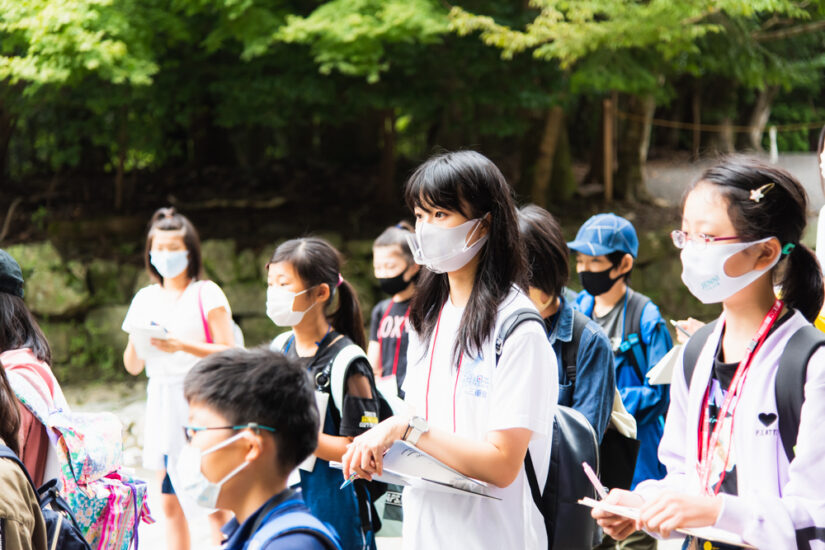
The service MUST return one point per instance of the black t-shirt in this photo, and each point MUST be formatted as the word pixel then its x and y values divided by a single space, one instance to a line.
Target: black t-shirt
pixel 360 411
pixel 720 380
pixel 389 325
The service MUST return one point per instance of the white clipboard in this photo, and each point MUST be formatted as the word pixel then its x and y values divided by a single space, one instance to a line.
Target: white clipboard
pixel 662 372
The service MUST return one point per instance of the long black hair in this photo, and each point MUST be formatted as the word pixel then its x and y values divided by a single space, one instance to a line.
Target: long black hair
pixel 469 183
pixel 18 329
pixel 9 414
pixel 781 213
pixel 169 219
pixel 318 262
pixel 547 252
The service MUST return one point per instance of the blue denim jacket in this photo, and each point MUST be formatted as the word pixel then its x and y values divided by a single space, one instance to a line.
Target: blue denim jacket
pixel 595 376
pixel 648 404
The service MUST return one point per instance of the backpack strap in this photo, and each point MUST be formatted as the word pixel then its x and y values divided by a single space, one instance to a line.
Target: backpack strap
pixel 692 350
pixel 790 383
pixel 338 368
pixel 570 350
pixel 511 322
pixel 633 331
pixel 206 330
pixel 280 341
pixel 294 518
pixel 6 452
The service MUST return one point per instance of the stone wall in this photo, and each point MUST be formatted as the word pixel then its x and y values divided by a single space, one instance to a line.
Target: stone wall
pixel 81 304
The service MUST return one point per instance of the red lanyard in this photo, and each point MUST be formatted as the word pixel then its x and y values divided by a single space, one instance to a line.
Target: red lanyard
pixel 430 372
pixel 708 440
pixel 400 335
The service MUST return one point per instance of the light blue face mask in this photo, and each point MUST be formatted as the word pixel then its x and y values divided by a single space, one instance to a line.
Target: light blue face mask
pixel 170 264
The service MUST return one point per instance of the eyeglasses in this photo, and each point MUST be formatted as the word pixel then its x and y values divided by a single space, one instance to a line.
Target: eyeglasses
pixel 190 431
pixel 700 240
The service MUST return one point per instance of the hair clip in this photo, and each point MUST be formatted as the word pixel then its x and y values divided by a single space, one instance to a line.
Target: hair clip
pixel 788 248
pixel 759 194
pixel 340 280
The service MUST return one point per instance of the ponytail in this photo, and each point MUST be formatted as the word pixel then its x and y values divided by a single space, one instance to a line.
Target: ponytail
pixel 9 414
pixel 801 281
pixel 347 318
pixel 317 262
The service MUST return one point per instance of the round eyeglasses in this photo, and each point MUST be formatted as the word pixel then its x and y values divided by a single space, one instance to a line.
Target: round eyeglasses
pixel 701 241
pixel 190 431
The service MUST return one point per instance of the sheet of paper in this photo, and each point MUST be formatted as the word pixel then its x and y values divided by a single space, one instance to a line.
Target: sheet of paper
pixel 708 533
pixel 149 331
pixel 662 372
pixel 405 464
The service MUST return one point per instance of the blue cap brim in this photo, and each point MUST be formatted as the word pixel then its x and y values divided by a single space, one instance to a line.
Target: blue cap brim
pixel 588 248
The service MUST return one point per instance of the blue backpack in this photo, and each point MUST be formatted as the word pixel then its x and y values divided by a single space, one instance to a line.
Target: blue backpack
pixel 294 517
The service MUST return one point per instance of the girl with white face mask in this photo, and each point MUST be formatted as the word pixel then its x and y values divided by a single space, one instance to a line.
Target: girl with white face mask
pixel 726 459
pixel 197 321
pixel 307 293
pixel 474 412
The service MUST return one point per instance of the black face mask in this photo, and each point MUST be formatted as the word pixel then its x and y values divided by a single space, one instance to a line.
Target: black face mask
pixel 597 282
pixel 394 285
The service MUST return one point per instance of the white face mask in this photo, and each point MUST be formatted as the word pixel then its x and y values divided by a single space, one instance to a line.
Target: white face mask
pixel 169 263
pixel 444 249
pixel 279 302
pixel 703 270
pixel 193 483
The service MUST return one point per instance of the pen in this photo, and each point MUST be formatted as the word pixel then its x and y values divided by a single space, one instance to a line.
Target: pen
pixel 591 475
pixel 349 480
pixel 679 328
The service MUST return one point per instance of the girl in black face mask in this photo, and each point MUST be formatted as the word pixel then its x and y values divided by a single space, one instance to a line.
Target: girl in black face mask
pixel 396 273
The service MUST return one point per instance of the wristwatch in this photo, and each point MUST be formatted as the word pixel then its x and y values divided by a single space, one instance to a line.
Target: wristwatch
pixel 416 428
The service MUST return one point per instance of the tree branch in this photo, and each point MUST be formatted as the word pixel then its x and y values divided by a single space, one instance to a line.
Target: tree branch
pixel 789 32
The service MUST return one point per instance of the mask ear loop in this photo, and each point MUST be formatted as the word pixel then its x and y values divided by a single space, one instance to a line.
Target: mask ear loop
pixel 479 224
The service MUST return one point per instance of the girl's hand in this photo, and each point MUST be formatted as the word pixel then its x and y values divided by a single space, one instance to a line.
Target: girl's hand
pixel 365 455
pixel 616 526
pixel 690 325
pixel 670 511
pixel 170 345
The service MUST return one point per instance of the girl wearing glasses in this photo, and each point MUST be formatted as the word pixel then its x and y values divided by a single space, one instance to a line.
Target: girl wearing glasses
pixel 727 463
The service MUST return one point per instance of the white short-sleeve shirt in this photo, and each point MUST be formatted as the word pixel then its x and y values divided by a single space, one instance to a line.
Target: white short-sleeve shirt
pixel 181 317
pixel 520 392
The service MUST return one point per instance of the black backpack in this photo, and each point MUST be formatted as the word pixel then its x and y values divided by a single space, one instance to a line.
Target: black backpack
pixel 568 524
pixel 62 530
pixel 789 387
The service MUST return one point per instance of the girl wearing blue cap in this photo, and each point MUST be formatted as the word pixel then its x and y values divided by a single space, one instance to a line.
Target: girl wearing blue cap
pixel 606 247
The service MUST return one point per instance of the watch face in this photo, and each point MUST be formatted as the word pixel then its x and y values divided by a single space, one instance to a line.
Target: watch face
pixel 419 424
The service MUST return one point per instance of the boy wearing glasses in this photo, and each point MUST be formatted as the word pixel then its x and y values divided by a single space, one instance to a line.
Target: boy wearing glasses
pixel 606 248
pixel 252 420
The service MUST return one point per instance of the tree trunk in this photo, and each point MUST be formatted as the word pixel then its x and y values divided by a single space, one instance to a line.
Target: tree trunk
pixel 7 124
pixel 632 147
pixel 727 142
pixel 547 151
pixel 122 144
pixel 696 108
pixel 386 184
pixel 760 115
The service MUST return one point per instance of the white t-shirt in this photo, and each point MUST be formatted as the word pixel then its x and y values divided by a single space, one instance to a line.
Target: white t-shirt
pixel 521 392
pixel 181 317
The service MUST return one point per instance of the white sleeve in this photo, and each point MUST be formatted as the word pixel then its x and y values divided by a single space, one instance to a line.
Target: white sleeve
pixel 525 386
pixel 137 309
pixel 672 448
pixel 778 522
pixel 213 297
